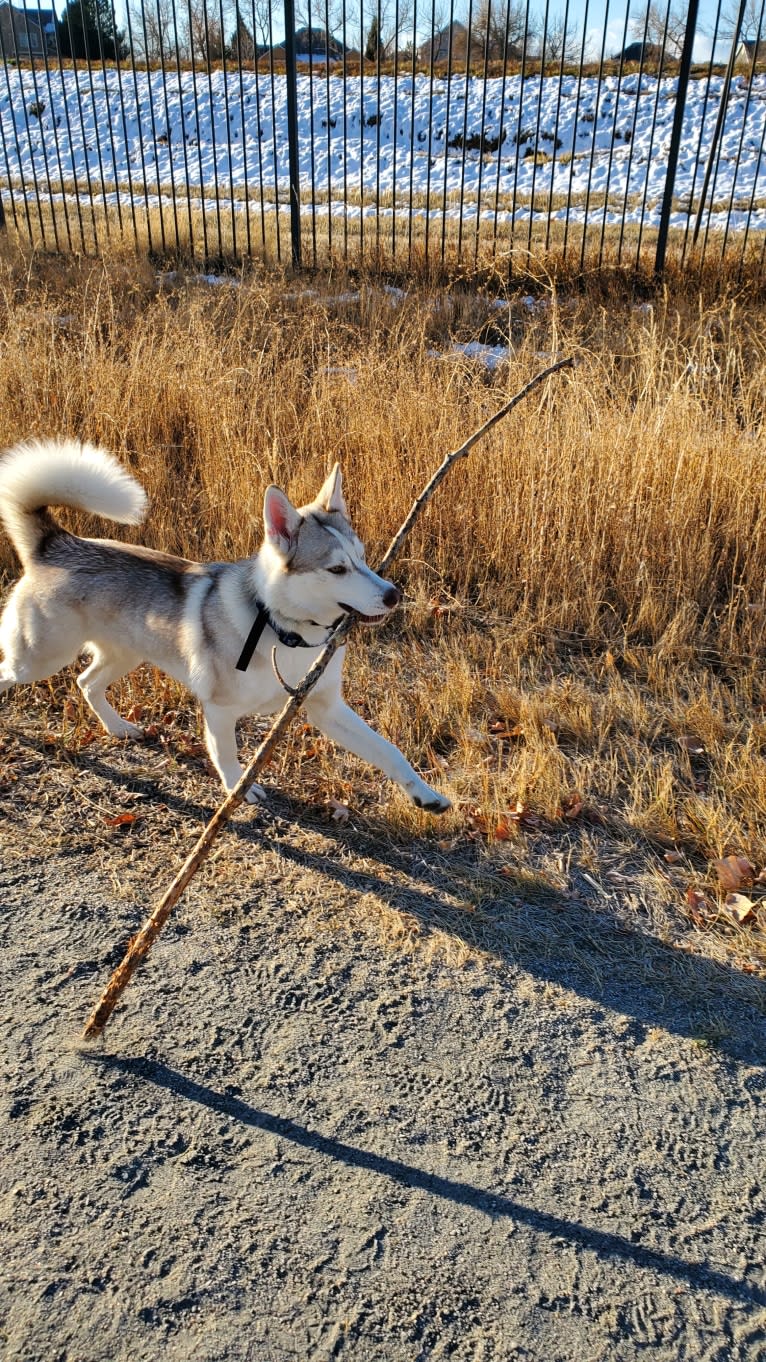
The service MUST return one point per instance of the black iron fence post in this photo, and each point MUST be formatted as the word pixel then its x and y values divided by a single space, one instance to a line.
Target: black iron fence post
pixel 291 76
pixel 675 136
pixel 721 118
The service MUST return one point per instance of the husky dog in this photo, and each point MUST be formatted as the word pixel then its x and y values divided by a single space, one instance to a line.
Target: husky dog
pixel 124 604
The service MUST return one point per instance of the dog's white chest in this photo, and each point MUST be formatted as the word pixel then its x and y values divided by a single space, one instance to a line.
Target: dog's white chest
pixel 259 691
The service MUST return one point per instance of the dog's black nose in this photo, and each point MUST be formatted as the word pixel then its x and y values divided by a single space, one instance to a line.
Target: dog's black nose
pixel 392 597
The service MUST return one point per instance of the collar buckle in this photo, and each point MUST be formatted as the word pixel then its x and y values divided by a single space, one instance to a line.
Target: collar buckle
pixel 289 637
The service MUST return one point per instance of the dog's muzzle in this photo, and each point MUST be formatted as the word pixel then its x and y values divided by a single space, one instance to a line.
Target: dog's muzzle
pixel 391 598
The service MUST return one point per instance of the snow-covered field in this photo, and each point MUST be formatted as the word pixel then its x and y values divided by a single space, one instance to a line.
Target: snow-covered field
pixel 393 146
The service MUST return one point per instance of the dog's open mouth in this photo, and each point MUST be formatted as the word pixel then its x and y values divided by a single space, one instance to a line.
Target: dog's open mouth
pixel 365 619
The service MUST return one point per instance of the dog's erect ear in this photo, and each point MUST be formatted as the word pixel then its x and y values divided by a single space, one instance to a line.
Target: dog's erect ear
pixel 330 495
pixel 281 521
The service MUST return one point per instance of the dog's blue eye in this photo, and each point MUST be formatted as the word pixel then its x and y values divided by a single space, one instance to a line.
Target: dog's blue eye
pixel 339 569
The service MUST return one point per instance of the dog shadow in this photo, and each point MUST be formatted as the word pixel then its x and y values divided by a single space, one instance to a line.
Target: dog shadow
pixel 579 945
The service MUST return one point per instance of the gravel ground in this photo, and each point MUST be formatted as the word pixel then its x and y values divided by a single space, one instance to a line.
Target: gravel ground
pixel 323 1124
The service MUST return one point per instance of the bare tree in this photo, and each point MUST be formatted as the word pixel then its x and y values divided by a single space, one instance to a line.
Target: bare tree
pixel 501 27
pixel 562 44
pixel 655 25
pixel 393 23
pixel 396 26
pixel 333 15
pixel 206 40
pixel 753 21
pixel 261 30
pixel 152 30
pixel 346 20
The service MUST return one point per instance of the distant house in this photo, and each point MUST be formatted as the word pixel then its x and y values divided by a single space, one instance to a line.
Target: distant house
pixel 314 45
pixel 27 33
pixel 749 52
pixel 47 18
pixel 451 43
pixel 646 54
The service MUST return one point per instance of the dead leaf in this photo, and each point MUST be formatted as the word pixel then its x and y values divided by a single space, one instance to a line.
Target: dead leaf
pixel 120 819
pixel 191 746
pixel 673 857
pixel 521 813
pixel 439 608
pixel 498 829
pixel 733 872
pixel 694 746
pixel 572 806
pixel 740 908
pixel 502 732
pixel 477 819
pixel 340 812
pixel 699 906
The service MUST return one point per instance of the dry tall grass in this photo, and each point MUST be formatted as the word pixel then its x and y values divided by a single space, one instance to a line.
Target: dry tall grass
pixel 587 602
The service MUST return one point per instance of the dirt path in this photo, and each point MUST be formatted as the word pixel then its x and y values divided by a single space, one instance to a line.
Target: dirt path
pixel 304 1139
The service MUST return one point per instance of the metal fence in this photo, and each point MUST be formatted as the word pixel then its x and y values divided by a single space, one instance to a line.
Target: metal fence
pixel 471 132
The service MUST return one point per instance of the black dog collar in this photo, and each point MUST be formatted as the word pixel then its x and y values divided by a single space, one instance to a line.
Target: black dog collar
pixel 290 637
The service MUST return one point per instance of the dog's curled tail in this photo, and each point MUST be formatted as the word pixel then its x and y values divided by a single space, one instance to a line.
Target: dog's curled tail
pixel 43 473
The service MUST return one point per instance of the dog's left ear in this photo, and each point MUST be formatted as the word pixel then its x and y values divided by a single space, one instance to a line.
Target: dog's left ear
pixel 330 495
pixel 281 521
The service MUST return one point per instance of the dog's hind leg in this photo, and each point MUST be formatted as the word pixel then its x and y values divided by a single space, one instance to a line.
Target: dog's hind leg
pixel 105 668
pixel 34 646
pixel 221 740
pixel 26 670
pixel 334 718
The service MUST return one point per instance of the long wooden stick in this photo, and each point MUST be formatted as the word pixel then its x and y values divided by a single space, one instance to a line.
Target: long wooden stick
pixel 142 943
pixel 462 453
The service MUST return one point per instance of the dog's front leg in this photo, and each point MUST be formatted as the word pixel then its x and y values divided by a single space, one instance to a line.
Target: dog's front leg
pixel 335 719
pixel 221 740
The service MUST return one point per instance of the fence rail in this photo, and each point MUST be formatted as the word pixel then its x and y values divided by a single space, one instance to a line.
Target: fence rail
pixel 475 132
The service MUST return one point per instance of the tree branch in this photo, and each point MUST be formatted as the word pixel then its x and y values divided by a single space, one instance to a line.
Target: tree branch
pixel 142 943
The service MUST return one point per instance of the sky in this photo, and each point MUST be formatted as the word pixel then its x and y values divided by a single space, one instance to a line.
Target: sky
pixel 615 21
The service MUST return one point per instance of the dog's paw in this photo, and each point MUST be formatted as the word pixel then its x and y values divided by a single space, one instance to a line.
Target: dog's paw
pixel 120 728
pixel 433 802
pixel 256 795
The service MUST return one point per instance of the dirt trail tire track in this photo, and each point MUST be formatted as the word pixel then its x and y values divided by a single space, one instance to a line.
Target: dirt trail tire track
pixel 297 1143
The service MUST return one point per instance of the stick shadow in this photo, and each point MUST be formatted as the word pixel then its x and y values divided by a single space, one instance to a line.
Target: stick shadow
pixel 605 1244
